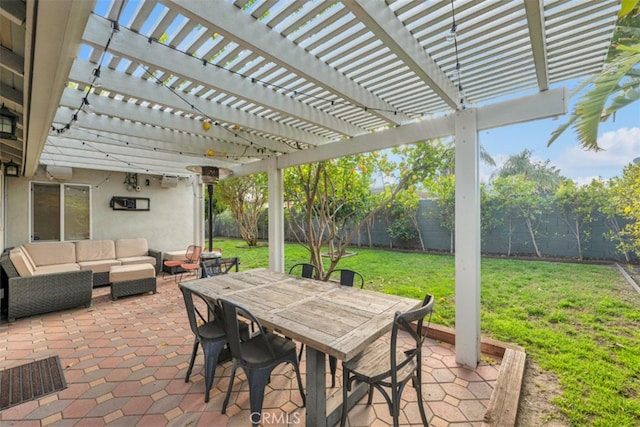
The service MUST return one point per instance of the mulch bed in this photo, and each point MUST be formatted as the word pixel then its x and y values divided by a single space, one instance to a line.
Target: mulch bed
pixel 30 381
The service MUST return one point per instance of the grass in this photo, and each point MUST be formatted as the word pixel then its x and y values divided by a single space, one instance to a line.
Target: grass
pixel 580 322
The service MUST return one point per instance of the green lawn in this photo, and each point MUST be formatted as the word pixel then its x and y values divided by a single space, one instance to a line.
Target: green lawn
pixel 580 322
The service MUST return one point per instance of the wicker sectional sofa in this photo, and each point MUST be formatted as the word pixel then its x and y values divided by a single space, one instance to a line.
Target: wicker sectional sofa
pixel 52 276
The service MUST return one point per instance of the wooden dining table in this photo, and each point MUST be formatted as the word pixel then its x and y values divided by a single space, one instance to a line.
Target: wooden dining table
pixel 328 318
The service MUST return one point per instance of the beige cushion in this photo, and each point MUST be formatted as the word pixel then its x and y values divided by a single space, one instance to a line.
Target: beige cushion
pixel 51 253
pixel 28 257
pixel 95 250
pixel 121 273
pixel 138 260
pixel 21 263
pixel 174 256
pixel 126 248
pixel 99 266
pixel 57 268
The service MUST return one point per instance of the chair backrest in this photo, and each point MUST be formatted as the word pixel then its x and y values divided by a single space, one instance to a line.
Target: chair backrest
pixel 230 313
pixel 193 313
pixel 410 322
pixel 211 267
pixel 309 271
pixel 193 253
pixel 348 277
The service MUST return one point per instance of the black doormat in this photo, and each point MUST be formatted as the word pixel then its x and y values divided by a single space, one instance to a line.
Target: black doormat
pixel 30 381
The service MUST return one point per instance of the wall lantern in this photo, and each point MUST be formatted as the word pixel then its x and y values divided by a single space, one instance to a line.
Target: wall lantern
pixel 11 169
pixel 8 122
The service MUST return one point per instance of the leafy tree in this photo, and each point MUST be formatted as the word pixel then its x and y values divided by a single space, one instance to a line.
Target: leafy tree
pixel 519 200
pixel 578 204
pixel 611 209
pixel 246 197
pixel 615 87
pixel 522 184
pixel 627 202
pixel 330 201
pixel 546 177
pixel 323 198
pixel 490 213
pixel 443 188
pixel 404 213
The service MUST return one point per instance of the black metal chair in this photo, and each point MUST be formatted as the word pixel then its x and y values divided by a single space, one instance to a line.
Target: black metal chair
pixel 257 356
pixel 308 271
pixel 209 332
pixel 387 365
pixel 349 277
pixel 216 266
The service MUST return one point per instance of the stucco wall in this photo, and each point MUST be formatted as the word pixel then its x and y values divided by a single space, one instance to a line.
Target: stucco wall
pixel 169 225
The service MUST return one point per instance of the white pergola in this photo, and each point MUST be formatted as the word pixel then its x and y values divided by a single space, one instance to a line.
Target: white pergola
pixel 254 86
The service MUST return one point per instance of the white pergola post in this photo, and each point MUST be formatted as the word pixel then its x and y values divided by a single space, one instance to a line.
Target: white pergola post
pixel 276 215
pixel 467 238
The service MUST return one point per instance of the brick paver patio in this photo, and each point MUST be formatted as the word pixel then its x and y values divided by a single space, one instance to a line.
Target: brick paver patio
pixel 124 362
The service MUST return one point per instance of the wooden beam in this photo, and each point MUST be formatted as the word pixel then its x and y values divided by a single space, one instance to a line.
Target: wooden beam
pixel 11 61
pixel 14 10
pixel 535 21
pixel 503 405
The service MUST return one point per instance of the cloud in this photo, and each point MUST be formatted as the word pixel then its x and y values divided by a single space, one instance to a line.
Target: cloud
pixel 619 148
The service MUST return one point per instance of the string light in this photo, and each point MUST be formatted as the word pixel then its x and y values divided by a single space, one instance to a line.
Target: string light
pixel 222 155
pixel 209 119
pixel 333 104
pixel 276 86
pixel 85 105
pixel 451 36
pixel 457 74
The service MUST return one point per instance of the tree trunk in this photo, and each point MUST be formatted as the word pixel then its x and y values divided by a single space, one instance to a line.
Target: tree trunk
pixel 414 220
pixel 509 234
pixel 533 237
pixel 578 240
pixel 615 226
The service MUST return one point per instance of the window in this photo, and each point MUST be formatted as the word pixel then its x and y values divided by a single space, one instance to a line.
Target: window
pixel 60 212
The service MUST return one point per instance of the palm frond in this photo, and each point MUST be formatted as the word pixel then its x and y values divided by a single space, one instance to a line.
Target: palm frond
pixel 618 84
pixel 591 107
pixel 627 7
pixel 560 129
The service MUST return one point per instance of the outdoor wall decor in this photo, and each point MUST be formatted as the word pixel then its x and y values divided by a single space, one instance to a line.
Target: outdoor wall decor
pixel 120 203
pixel 131 181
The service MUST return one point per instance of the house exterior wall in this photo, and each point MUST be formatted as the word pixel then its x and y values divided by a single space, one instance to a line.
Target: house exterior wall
pixel 168 225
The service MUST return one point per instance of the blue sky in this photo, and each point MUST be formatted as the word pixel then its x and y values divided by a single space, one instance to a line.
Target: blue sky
pixel 619 139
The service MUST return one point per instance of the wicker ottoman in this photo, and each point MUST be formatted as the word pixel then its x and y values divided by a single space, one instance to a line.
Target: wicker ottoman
pixel 132 279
